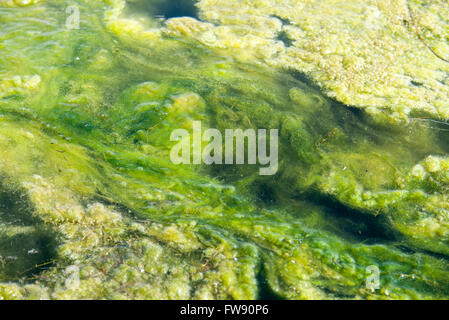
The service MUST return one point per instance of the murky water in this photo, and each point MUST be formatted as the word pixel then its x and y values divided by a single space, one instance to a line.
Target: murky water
pixel 87 182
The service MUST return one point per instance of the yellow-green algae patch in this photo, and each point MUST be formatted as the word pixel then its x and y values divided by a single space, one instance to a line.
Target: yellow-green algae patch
pixel 97 210
pixel 363 53
pixel 18 3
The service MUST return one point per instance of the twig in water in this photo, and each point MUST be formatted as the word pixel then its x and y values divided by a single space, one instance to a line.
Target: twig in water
pixel 434 121
pixel 412 17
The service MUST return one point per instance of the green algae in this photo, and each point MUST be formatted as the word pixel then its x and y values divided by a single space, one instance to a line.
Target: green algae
pixel 91 189
pixel 387 57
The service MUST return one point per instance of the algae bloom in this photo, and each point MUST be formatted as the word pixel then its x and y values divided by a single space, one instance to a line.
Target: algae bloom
pixel 92 207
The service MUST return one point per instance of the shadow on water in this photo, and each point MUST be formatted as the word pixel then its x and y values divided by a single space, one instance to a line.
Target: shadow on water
pixel 166 8
pixel 27 247
pixel 356 225
pixel 265 290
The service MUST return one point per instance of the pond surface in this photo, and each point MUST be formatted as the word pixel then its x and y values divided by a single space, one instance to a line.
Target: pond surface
pixel 92 207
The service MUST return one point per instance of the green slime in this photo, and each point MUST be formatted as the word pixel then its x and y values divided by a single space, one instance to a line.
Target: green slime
pixel 92 207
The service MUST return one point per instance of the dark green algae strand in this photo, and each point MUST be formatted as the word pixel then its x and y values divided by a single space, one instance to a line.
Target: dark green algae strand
pixel 87 150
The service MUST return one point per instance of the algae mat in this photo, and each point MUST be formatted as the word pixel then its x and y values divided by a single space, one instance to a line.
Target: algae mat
pixel 91 207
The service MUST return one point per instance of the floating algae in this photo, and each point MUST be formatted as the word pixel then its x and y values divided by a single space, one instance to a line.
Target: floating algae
pixel 95 209
pixel 366 54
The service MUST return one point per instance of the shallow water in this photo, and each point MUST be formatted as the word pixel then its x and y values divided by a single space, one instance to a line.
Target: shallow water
pixel 88 185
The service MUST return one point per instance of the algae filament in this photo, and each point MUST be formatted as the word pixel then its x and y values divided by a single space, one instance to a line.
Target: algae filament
pixel 87 183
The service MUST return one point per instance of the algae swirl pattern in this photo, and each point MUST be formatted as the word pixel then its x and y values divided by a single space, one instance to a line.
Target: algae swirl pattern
pixel 92 208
